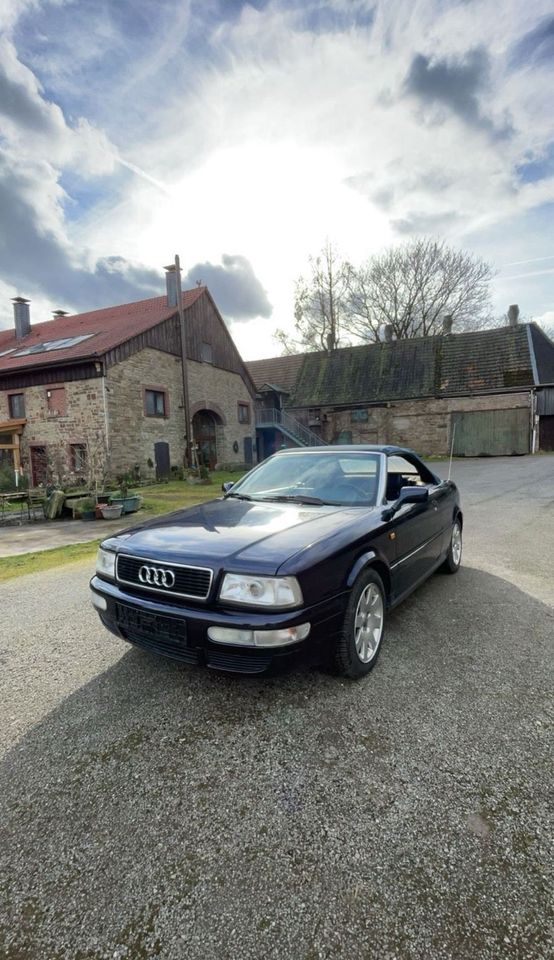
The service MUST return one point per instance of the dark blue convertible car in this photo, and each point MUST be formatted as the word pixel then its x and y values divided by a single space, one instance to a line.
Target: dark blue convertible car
pixel 303 556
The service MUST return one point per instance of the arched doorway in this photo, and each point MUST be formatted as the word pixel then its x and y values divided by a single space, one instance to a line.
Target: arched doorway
pixel 204 424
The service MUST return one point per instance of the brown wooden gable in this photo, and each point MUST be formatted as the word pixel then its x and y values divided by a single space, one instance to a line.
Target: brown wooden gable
pixel 164 336
pixel 206 325
pixel 53 373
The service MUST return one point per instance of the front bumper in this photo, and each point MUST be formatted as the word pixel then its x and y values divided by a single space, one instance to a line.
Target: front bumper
pixel 181 632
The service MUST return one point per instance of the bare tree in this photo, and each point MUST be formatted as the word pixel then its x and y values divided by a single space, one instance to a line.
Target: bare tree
pixel 411 287
pixel 320 304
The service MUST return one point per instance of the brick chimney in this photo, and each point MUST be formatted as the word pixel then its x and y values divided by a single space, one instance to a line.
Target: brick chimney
pixel 388 333
pixel 513 314
pixel 171 285
pixel 447 322
pixel 22 317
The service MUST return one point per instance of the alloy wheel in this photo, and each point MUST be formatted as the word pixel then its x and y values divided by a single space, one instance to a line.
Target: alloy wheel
pixel 456 544
pixel 368 623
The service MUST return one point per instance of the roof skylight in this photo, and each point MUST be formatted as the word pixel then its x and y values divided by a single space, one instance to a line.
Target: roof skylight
pixel 53 345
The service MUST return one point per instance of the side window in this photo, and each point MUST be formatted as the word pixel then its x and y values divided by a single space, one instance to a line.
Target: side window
pixel 155 403
pixel 403 473
pixel 16 403
pixel 243 412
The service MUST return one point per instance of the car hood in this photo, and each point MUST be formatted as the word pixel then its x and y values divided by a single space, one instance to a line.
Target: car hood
pixel 234 533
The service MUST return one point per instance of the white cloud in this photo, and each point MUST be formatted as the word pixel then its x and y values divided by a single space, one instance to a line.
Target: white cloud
pixel 283 134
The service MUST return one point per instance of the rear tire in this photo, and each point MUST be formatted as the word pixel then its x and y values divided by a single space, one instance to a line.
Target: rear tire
pixel 359 642
pixel 454 555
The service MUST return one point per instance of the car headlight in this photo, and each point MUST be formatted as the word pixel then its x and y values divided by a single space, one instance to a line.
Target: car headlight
pixel 105 563
pixel 261 591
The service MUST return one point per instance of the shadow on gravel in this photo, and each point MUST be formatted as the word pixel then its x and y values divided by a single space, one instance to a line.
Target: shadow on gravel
pixel 169 812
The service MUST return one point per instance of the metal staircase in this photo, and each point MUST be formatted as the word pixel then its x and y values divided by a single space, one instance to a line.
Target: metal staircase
pixel 292 428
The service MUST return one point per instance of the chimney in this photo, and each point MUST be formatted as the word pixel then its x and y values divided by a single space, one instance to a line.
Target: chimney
pixel 171 285
pixel 447 322
pixel 59 313
pixel 22 317
pixel 513 314
pixel 388 333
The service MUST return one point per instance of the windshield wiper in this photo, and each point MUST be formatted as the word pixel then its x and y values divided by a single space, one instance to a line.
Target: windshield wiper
pixel 238 496
pixel 317 501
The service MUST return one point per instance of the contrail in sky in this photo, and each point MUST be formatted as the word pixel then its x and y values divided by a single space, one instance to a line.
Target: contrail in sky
pixel 517 263
pixel 530 273
pixel 143 175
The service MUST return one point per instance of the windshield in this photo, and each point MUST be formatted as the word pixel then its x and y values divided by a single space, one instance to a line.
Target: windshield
pixel 347 478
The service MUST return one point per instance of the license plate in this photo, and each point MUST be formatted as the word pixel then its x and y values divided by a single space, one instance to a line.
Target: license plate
pixel 151 625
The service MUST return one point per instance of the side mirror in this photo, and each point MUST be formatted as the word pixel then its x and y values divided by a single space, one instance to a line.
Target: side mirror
pixel 227 485
pixel 407 495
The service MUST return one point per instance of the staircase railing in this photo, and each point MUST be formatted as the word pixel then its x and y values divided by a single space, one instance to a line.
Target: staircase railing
pixel 282 419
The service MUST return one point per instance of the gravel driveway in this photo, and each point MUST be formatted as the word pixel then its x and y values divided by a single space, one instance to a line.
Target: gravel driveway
pixel 154 811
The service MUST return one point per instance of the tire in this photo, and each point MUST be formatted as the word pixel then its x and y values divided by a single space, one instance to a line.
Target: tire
pixel 357 646
pixel 454 556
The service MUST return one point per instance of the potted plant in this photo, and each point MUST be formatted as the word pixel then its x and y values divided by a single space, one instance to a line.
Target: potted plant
pixel 87 508
pixel 130 502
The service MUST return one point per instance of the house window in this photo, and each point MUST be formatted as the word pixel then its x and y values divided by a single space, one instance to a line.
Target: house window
pixel 244 413
pixel 55 401
pixel 16 402
pixel 155 403
pixel 78 457
pixel 359 416
pixel 206 353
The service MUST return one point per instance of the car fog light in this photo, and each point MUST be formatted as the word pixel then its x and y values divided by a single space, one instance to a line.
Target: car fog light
pixel 259 638
pixel 99 602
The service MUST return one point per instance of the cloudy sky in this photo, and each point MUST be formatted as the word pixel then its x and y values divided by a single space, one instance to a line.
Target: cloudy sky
pixel 242 134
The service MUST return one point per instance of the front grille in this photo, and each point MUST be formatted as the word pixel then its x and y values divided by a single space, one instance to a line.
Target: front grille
pixel 235 662
pixel 192 583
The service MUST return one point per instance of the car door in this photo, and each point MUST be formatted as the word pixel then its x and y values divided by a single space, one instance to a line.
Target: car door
pixel 416 527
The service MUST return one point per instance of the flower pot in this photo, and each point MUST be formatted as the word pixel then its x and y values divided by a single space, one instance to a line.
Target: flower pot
pixel 128 504
pixel 111 511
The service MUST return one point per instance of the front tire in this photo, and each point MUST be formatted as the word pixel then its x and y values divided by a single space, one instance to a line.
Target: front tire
pixel 360 639
pixel 454 555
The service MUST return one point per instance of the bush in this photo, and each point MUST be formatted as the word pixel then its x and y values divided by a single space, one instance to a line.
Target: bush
pixel 7 481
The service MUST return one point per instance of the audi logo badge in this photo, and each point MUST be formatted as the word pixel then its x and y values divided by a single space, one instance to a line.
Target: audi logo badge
pixel 156 577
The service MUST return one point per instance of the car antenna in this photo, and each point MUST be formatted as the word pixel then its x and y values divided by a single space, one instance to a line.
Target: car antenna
pixel 451 451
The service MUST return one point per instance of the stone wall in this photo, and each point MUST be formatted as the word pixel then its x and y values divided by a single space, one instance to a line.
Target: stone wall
pixel 220 391
pixel 424 425
pixel 132 434
pixel 118 400
pixel 83 422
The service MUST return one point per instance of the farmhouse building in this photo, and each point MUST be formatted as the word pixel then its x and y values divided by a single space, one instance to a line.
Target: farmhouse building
pixel 490 392
pixel 113 379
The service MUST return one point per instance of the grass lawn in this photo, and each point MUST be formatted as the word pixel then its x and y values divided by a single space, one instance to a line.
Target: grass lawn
pixel 158 498
pixel 164 497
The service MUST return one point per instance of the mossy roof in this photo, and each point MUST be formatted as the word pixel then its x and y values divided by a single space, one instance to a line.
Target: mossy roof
pixel 445 365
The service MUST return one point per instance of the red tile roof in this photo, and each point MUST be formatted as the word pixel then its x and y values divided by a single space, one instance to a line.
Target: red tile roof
pixel 110 327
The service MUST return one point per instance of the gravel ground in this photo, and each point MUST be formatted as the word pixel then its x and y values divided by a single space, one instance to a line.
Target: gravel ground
pixel 153 811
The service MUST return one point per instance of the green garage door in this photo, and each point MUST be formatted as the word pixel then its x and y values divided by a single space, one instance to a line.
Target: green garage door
pixel 491 433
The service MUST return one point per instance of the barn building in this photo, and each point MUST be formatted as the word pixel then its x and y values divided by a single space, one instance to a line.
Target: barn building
pixel 487 392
